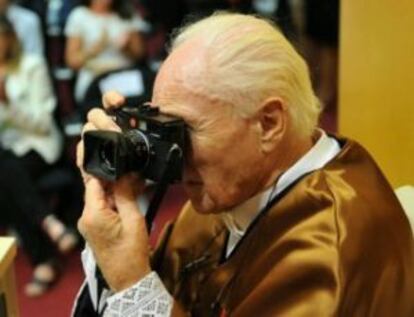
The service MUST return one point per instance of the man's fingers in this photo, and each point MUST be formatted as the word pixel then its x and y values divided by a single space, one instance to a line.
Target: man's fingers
pixel 112 99
pixel 80 161
pixel 94 195
pixel 125 194
pixel 88 126
pixel 101 120
pixel 80 153
pixel 80 147
pixel 92 192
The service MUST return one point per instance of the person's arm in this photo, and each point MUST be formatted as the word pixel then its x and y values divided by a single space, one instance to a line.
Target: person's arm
pixel 4 109
pixel 116 231
pixel 133 45
pixel 35 42
pixel 77 56
pixel 3 94
pixel 147 296
pixel 33 112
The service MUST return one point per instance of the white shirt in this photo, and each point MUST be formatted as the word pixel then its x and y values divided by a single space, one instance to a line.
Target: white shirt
pixel 26 120
pixel 238 219
pixel 129 303
pixel 28 28
pixel 90 28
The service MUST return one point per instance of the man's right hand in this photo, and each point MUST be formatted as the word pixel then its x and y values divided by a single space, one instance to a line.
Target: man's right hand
pixel 111 222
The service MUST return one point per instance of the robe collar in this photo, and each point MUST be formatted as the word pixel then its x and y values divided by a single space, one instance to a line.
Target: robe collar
pixel 238 219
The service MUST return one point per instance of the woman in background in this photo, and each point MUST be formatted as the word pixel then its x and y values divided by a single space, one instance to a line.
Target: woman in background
pixel 102 36
pixel 29 143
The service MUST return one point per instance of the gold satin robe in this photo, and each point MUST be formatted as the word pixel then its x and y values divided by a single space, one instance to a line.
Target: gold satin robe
pixel 336 244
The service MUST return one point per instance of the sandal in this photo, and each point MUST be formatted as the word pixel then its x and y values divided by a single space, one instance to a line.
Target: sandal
pixel 67 241
pixel 42 281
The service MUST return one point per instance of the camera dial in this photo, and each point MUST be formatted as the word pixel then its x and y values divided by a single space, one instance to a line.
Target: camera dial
pixel 140 146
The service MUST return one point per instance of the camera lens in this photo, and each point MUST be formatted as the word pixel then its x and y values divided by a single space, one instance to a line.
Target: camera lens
pixel 107 155
pixel 140 147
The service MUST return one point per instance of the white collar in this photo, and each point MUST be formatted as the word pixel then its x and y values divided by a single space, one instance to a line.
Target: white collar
pixel 239 218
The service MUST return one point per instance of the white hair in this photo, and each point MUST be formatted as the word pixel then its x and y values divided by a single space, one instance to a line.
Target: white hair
pixel 249 60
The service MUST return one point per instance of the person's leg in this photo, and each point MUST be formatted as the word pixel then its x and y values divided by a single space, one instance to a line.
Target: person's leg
pixel 35 244
pixel 65 239
pixel 19 187
pixel 41 253
pixel 45 274
pixel 18 176
pixel 328 79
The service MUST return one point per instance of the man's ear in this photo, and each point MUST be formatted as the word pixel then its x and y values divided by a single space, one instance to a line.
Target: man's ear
pixel 272 119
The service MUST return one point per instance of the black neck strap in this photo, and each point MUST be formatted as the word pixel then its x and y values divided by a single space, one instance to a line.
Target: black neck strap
pixel 173 156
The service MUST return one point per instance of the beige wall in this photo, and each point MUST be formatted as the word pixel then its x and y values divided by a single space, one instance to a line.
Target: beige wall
pixel 376 82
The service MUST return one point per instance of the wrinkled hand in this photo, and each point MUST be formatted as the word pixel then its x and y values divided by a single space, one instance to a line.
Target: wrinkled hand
pixel 111 222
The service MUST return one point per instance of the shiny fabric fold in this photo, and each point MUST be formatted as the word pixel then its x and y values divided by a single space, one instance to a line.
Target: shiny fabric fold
pixel 336 244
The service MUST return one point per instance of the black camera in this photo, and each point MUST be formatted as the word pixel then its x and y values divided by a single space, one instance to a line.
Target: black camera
pixel 151 143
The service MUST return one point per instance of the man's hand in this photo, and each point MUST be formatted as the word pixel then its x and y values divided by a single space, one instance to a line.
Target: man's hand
pixel 111 222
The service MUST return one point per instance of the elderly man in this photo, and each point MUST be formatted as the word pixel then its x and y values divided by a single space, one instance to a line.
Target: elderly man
pixel 283 219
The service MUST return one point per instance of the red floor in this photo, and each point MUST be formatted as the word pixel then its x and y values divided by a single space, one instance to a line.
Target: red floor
pixel 59 300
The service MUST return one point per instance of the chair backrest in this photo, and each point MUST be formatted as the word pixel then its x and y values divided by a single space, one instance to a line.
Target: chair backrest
pixel 405 195
pixel 135 83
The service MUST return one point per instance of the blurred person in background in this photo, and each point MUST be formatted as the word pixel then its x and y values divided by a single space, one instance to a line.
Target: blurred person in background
pixel 321 47
pixel 29 143
pixel 102 36
pixel 167 16
pixel 279 11
pixel 52 13
pixel 198 9
pixel 27 25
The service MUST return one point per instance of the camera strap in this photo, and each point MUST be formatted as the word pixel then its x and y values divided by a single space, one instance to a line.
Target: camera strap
pixel 174 154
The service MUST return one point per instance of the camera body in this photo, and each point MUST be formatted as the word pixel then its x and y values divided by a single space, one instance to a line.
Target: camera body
pixel 150 143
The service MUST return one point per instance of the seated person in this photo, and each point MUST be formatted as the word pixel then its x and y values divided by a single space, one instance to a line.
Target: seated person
pixel 283 219
pixel 101 36
pixel 27 25
pixel 29 143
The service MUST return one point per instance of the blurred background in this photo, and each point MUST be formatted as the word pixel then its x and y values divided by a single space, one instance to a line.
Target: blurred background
pixel 57 57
